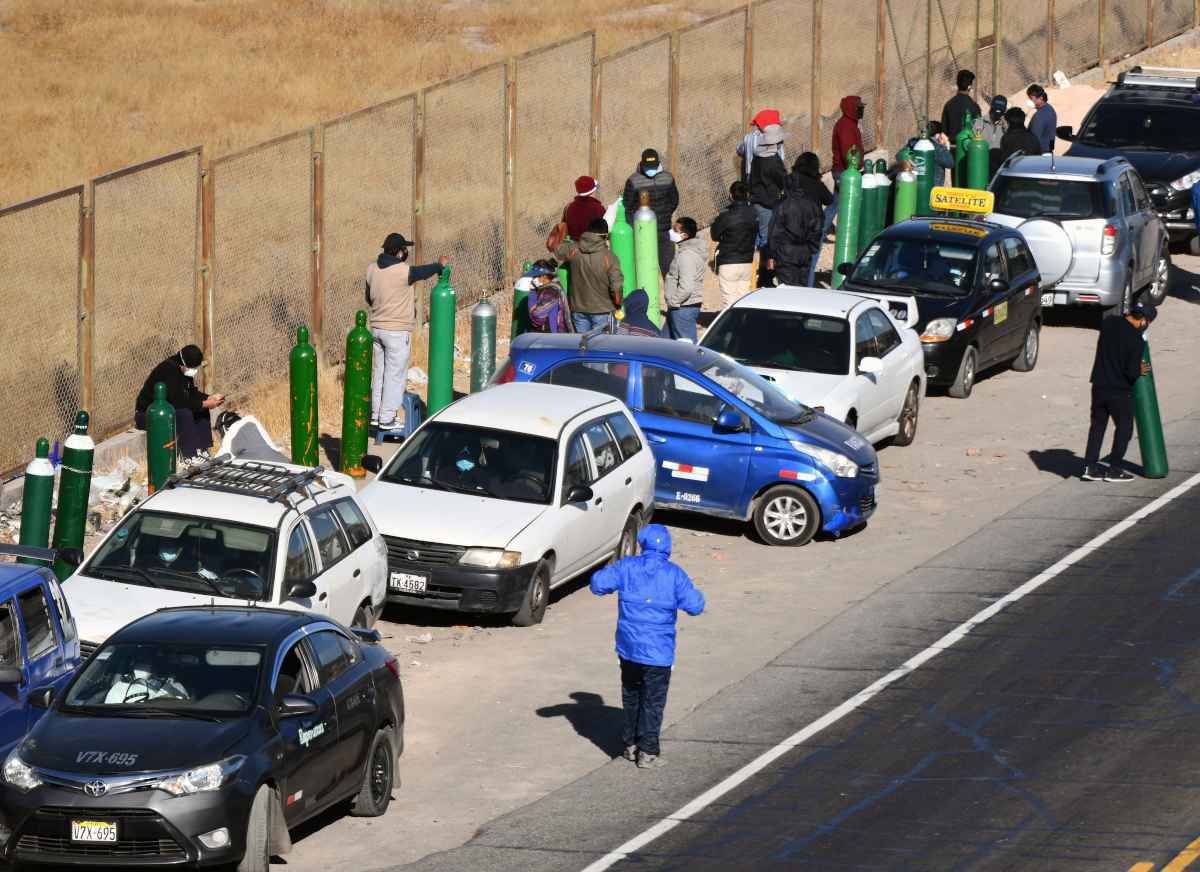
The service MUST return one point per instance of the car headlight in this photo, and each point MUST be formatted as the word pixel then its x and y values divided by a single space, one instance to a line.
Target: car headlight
pixel 20 774
pixel 1186 183
pixel 839 464
pixel 491 558
pixel 202 778
pixel 938 330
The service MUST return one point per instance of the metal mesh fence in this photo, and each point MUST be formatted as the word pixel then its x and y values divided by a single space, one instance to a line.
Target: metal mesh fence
pixel 147 239
pixel 463 208
pixel 554 129
pixel 904 70
pixel 987 81
pixel 711 70
pixel 1124 27
pixel 782 66
pixel 845 71
pixel 1022 45
pixel 368 160
pixel 952 48
pixel 263 251
pixel 1171 17
pixel 39 295
pixel 1076 35
pixel 635 111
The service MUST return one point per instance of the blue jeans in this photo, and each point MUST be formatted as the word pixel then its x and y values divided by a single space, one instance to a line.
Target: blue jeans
pixel 644 697
pixel 585 321
pixel 764 226
pixel 832 209
pixel 1196 205
pixel 681 322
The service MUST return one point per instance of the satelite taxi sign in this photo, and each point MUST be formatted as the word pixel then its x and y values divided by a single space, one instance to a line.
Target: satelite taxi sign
pixel 962 200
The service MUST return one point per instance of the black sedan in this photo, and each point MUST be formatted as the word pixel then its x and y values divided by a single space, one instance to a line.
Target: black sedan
pixel 198 736
pixel 975 287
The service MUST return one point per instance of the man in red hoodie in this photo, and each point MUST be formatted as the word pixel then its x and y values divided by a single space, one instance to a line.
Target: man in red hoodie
pixel 584 209
pixel 845 135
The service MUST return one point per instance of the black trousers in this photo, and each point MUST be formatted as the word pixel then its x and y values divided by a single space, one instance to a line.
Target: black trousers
pixel 644 697
pixel 1106 404
pixel 193 433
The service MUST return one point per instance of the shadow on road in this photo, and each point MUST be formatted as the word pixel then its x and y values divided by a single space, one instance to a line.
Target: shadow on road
pixel 600 724
pixel 1184 285
pixel 1062 462
pixel 332 446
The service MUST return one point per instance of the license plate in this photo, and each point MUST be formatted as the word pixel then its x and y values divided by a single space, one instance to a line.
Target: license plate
pixel 1047 299
pixel 408 582
pixel 93 831
pixel 1060 298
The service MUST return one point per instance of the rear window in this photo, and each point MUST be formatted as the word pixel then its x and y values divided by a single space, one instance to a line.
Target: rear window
pixel 1162 128
pixel 1051 198
pixel 783 340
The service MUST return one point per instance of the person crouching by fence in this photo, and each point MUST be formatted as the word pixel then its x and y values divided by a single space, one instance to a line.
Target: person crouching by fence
pixel 193 407
pixel 547 305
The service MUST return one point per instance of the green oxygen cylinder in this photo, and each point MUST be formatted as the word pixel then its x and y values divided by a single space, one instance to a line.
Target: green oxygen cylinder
pixel 483 345
pixel 645 252
pixel 302 377
pixel 964 135
pixel 442 307
pixel 520 308
pixel 1149 423
pixel 977 163
pixel 356 396
pixel 850 195
pixel 866 222
pixel 620 237
pixel 36 496
pixel 923 169
pixel 161 447
pixel 906 196
pixel 564 281
pixel 74 485
pixel 883 195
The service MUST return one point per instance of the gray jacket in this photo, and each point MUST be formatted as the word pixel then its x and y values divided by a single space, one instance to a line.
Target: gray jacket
pixel 685 279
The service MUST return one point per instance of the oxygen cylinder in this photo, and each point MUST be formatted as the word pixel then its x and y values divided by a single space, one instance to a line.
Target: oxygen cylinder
pixel 906 196
pixel 883 195
pixel 923 169
pixel 965 135
pixel 356 396
pixel 442 306
pixel 74 485
pixel 302 377
pixel 161 447
pixel 483 344
pixel 620 237
pixel 645 253
pixel 866 225
pixel 1149 423
pixel 845 248
pixel 36 497
pixel 977 163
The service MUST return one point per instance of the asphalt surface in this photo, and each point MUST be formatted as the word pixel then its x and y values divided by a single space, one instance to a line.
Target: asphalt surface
pixel 1063 733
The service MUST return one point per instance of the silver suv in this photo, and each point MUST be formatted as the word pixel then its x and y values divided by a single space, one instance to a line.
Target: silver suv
pixel 1094 232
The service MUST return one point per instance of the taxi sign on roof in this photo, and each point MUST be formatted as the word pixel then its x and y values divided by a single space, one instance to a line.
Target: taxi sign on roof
pixel 962 200
pixel 958 228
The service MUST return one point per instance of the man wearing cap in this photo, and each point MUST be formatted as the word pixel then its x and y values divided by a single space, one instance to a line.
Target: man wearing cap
pixel 193 407
pixel 955 111
pixel 393 305
pixel 992 129
pixel 584 209
pixel 1116 369
pixel 651 177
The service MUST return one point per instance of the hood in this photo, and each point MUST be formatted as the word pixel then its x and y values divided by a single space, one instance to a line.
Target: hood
pixel 1153 166
pixel 102 607
pixel 809 388
pixel 421 514
pixel 59 740
pixel 655 539
pixel 387 260
pixel 636 303
pixel 826 432
pixel 695 244
pixel 590 243
pixel 849 106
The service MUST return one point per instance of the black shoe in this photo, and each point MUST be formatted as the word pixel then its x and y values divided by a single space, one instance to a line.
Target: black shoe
pixel 1093 472
pixel 1115 474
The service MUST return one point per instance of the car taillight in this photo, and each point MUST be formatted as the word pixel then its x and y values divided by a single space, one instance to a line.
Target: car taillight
pixel 505 375
pixel 1108 243
pixel 393 666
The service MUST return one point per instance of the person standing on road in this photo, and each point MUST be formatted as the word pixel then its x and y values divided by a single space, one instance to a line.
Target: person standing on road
pixel 734 231
pixel 193 407
pixel 1116 369
pixel 1045 120
pixel 795 236
pixel 393 305
pixel 650 590
pixel 768 178
pixel 664 200
pixel 584 209
pixel 955 111
pixel 594 279
pixel 684 290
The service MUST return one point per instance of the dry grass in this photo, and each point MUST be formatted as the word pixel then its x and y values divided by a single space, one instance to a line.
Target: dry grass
pixel 95 86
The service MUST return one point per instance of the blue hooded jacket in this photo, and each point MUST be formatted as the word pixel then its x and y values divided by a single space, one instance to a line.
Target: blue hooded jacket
pixel 651 589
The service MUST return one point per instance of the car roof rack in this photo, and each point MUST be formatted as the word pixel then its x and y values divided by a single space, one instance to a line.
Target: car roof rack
pixel 589 336
pixel 251 478
pixel 1160 77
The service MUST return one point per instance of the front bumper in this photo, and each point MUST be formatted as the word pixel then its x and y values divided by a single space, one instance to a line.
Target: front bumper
pixel 853 501
pixel 463 588
pixel 942 360
pixel 1176 210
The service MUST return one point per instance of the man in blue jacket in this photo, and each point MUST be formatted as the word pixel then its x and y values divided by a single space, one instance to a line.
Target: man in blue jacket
pixel 650 589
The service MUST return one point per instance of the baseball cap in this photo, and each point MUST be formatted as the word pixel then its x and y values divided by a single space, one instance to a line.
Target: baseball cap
pixel 650 158
pixel 1144 310
pixel 535 271
pixel 395 240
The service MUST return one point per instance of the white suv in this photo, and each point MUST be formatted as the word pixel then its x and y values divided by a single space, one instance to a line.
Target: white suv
pixel 508 493
pixel 231 532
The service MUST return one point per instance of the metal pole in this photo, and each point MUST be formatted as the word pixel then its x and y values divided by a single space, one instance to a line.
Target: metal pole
pixel 880 73
pixel 815 97
pixel 1149 23
pixel 87 295
pixel 419 196
pixel 510 180
pixel 1049 39
pixel 317 140
pixel 748 68
pixel 597 108
pixel 673 97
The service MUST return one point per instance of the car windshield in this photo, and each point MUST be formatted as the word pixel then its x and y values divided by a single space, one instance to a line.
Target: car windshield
pixel 917 265
pixel 477 460
pixel 165 678
pixel 783 340
pixel 756 392
pixel 1161 128
pixel 1025 197
pixel 196 555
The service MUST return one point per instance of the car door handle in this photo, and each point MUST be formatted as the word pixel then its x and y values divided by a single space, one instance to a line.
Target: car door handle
pixel 321 598
pixel 599 500
pixel 628 480
pixel 357 573
pixel 659 440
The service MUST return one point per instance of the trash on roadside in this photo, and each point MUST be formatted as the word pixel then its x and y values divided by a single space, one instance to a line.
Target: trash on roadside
pixel 422 639
pixel 973 452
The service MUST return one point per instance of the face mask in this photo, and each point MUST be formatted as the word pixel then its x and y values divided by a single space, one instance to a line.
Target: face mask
pixel 862 110
pixel 651 172
pixel 675 235
pixel 191 373
pixel 168 555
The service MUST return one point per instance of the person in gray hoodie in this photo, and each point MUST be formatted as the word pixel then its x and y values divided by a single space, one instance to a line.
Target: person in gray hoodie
pixel 685 280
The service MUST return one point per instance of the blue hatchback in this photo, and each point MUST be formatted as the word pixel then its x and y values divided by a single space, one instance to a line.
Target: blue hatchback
pixel 726 441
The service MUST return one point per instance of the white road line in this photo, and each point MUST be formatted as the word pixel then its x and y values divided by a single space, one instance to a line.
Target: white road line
pixel 830 718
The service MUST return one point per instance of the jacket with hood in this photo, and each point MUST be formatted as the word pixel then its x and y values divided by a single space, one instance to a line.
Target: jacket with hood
pixel 811 185
pixel 389 292
pixel 734 231
pixel 650 590
pixel 768 177
pixel 685 279
pixel 594 274
pixel 182 392
pixel 796 229
pixel 580 213
pixel 636 322
pixel 846 134
pixel 664 197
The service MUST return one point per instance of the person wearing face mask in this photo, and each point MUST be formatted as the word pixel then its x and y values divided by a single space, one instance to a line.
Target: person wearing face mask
pixel 193 407
pixel 845 136
pixel 685 281
pixel 664 200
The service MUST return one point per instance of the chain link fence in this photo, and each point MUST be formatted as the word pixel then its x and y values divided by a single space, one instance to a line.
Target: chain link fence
pixel 40 295
pixel 847 68
pixel 782 66
pixel 145 263
pixel 905 45
pixel 951 48
pixel 635 111
pixel 1172 17
pixel 1023 45
pixel 368 193
pixel 1076 35
pixel 1124 28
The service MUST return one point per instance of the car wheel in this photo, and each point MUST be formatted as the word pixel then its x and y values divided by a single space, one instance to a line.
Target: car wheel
pixel 964 382
pixel 1027 359
pixel 364 616
pixel 258 832
pixel 1122 306
pixel 627 547
pixel 787 515
pixel 908 417
pixel 1156 293
pixel 533 607
pixel 379 778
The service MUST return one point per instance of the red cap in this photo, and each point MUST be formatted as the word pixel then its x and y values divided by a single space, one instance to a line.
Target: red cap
pixel 585 185
pixel 765 117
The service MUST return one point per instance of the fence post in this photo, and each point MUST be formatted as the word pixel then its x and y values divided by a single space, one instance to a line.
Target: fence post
pixel 510 180
pixel 1050 40
pixel 814 134
pixel 748 69
pixel 998 43
pixel 673 98
pixel 1149 23
pixel 418 188
pixel 1102 56
pixel 597 107
pixel 87 294
pixel 207 263
pixel 881 72
pixel 928 66
pixel 317 142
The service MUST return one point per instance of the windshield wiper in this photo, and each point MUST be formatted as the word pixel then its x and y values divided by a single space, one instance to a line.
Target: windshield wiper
pixel 479 491
pixel 139 709
pixel 134 570
pixel 191 576
pixel 890 287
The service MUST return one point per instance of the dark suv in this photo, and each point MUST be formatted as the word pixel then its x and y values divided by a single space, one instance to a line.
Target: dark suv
pixel 1151 116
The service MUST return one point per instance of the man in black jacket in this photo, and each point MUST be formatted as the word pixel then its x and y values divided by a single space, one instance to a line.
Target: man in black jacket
pixel 795 235
pixel 768 179
pixel 1017 137
pixel 1116 369
pixel 193 407
pixel 806 173
pixel 734 232
pixel 664 200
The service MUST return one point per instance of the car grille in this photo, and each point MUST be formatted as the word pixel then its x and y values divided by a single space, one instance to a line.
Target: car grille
pixel 141 834
pixel 87 649
pixel 401 551
pixel 162 848
pixel 868 469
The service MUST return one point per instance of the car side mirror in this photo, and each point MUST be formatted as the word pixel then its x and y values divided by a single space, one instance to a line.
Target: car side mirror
pixel 1065 133
pixel 845 268
pixel 870 366
pixel 579 493
pixel 729 421
pixel 293 705
pixel 372 463
pixel 11 675
pixel 302 590
pixel 41 697
pixel 997 286
pixel 71 557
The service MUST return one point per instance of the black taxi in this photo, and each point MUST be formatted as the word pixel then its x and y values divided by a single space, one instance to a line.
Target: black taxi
pixel 975 288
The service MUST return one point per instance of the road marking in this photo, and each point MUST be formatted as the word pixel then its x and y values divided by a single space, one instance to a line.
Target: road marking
pixel 1142 867
pixel 909 666
pixel 1185 858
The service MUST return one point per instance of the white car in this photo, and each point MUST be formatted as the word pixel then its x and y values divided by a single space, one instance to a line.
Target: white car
pixel 231 532
pixel 508 493
pixel 842 354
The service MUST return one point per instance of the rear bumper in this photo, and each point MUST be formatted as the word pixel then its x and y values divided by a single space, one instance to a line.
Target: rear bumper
pixel 1082 294
pixel 463 588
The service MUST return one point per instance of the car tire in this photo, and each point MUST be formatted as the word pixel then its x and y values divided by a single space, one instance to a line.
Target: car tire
pixel 537 597
pixel 1027 357
pixel 908 417
pixel 787 515
pixel 1156 291
pixel 964 382
pixel 627 547
pixel 364 616
pixel 258 832
pixel 1122 306
pixel 379 777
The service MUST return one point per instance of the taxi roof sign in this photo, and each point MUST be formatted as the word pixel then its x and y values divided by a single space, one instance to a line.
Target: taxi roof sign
pixel 962 200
